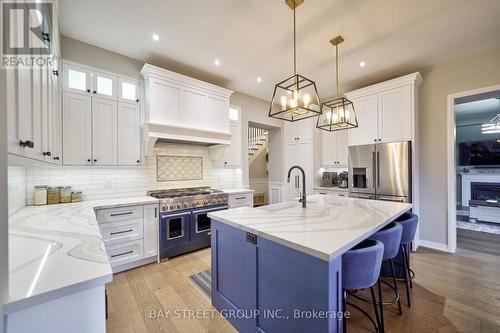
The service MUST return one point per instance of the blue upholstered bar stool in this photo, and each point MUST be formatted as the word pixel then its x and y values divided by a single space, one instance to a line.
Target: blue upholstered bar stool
pixel 409 223
pixel 390 236
pixel 360 270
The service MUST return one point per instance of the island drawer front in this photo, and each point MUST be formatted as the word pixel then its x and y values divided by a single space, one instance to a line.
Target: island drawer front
pixel 240 200
pixel 123 253
pixel 120 214
pixel 122 231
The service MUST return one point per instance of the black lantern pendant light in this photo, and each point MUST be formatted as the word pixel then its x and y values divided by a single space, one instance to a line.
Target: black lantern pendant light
pixel 295 98
pixel 337 113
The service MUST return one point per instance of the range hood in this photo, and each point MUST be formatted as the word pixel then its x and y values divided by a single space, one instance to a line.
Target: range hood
pixel 182 109
pixel 153 132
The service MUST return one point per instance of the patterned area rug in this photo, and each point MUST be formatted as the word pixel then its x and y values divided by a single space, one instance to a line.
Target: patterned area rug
pixel 203 280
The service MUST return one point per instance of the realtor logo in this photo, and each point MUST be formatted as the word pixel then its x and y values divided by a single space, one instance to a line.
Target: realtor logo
pixel 26 33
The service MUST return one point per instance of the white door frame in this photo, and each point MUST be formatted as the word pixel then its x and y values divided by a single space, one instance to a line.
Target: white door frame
pixel 451 174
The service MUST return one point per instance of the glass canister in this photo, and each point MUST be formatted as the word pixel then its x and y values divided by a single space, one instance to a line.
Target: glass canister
pixel 53 195
pixel 65 194
pixel 40 195
pixel 76 196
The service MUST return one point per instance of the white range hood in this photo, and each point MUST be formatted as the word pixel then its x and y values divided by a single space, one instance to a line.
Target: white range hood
pixel 183 109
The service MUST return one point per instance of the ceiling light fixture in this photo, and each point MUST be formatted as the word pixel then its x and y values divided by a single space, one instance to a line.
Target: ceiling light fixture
pixel 337 113
pixel 493 126
pixel 217 62
pixel 259 79
pixel 156 37
pixel 362 64
pixel 296 97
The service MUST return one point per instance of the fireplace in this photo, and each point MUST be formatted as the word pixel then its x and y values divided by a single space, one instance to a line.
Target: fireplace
pixel 485 191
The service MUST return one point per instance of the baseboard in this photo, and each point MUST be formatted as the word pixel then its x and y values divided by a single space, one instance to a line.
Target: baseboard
pixel 433 245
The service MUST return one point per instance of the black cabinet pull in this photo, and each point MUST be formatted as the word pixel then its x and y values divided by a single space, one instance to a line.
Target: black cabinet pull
pixel 46 36
pixel 55 72
pixel 89 160
pixel 138 161
pixel 121 254
pixel 88 90
pixel 121 232
pixel 95 92
pixel 137 100
pixel 251 238
pixel 156 212
pixel 47 153
pixel 121 214
pixel 95 159
pixel 240 198
pixel 27 143
pixel 56 158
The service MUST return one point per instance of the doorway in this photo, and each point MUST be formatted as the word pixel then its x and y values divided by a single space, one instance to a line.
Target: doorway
pixel 258 164
pixel 474 168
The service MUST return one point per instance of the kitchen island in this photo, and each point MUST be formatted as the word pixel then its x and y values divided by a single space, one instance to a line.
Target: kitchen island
pixel 277 268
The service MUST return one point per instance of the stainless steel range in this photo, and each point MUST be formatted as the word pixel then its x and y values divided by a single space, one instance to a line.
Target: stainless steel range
pixel 184 224
pixel 188 198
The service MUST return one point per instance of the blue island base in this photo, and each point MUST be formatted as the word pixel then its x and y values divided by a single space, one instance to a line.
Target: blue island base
pixel 262 286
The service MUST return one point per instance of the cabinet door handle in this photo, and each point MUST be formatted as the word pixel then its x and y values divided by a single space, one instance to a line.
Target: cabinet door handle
pixel 27 143
pixel 240 198
pixel 138 161
pixel 88 90
pixel 156 209
pixel 95 159
pixel 89 160
pixel 47 153
pixel 137 100
pixel 56 158
pixel 121 214
pixel 122 254
pixel 95 92
pixel 121 232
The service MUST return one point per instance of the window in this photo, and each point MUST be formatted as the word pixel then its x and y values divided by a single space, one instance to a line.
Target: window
pixel 234 114
pixel 104 86
pixel 77 80
pixel 128 91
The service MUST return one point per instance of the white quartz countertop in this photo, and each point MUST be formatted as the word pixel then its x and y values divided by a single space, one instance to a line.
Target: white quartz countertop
pixel 328 227
pixel 56 250
pixel 236 190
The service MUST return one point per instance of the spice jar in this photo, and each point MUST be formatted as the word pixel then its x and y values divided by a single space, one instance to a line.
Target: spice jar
pixel 76 196
pixel 53 195
pixel 65 194
pixel 40 195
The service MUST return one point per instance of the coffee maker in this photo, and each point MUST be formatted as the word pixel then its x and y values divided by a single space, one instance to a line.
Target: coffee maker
pixel 329 179
pixel 342 180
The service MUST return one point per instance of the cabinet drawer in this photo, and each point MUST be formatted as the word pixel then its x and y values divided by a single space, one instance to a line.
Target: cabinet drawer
pixel 123 253
pixel 120 214
pixel 122 231
pixel 240 200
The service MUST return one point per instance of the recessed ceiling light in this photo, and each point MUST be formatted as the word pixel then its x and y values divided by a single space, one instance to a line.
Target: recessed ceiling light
pixel 156 37
pixel 259 79
pixel 362 64
pixel 217 62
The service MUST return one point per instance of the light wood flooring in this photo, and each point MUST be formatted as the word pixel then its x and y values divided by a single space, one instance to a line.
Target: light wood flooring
pixel 451 293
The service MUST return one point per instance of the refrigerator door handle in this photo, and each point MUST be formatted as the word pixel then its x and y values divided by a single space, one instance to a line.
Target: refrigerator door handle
pixel 378 169
pixel 374 162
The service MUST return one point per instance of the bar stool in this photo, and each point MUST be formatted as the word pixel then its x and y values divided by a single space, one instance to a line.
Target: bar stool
pixel 409 223
pixel 360 270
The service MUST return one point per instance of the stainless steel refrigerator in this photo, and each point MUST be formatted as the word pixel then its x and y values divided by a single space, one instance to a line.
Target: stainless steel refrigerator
pixel 381 171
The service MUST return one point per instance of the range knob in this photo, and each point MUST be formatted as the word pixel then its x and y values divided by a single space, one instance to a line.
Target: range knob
pixel 178 205
pixel 205 202
pixel 185 205
pixel 171 207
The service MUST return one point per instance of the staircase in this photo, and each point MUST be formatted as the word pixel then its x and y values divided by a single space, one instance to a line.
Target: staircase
pixel 257 142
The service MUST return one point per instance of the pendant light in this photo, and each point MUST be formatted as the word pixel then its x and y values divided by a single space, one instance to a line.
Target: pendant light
pixel 337 113
pixel 494 125
pixel 295 98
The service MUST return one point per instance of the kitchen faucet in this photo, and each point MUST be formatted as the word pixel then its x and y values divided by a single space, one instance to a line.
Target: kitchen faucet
pixel 303 199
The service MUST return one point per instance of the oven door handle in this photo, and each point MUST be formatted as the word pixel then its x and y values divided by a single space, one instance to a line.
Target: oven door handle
pixel 208 210
pixel 164 216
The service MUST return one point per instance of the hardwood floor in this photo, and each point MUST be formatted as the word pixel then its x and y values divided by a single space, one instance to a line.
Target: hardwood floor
pixel 478 241
pixel 451 293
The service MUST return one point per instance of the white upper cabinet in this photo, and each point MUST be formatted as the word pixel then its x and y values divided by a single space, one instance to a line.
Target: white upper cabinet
pixel 103 85
pixel 395 114
pixel 182 108
pixel 104 132
pixel 129 91
pixel 366 108
pixel 76 79
pixel 77 129
pixel 334 148
pixel 129 148
pixel 386 111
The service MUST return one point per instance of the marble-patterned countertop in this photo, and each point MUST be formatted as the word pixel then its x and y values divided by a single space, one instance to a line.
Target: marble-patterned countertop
pixel 328 227
pixel 56 250
pixel 236 190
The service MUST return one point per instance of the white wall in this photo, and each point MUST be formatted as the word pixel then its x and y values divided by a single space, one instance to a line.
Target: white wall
pixel 4 231
pixel 16 188
pixel 100 183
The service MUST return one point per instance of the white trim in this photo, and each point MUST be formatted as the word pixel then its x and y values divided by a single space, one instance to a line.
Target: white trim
pixel 435 246
pixel 451 171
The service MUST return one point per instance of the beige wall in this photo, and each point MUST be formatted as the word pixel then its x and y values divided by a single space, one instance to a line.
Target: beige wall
pixel 258 167
pixel 473 72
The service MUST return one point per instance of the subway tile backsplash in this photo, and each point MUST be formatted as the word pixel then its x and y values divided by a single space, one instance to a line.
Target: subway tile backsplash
pixel 101 183
pixel 16 188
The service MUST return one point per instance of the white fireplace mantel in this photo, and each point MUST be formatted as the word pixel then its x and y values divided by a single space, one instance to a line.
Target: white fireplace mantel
pixel 467 179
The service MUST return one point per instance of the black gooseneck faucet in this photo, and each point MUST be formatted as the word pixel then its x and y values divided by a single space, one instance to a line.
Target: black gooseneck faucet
pixel 303 199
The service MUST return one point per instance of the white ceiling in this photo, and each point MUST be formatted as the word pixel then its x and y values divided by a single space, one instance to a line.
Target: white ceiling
pixel 254 37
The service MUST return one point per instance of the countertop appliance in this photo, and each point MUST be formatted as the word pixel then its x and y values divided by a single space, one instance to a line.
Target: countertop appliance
pixel 343 179
pixel 184 224
pixel 381 171
pixel 329 179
